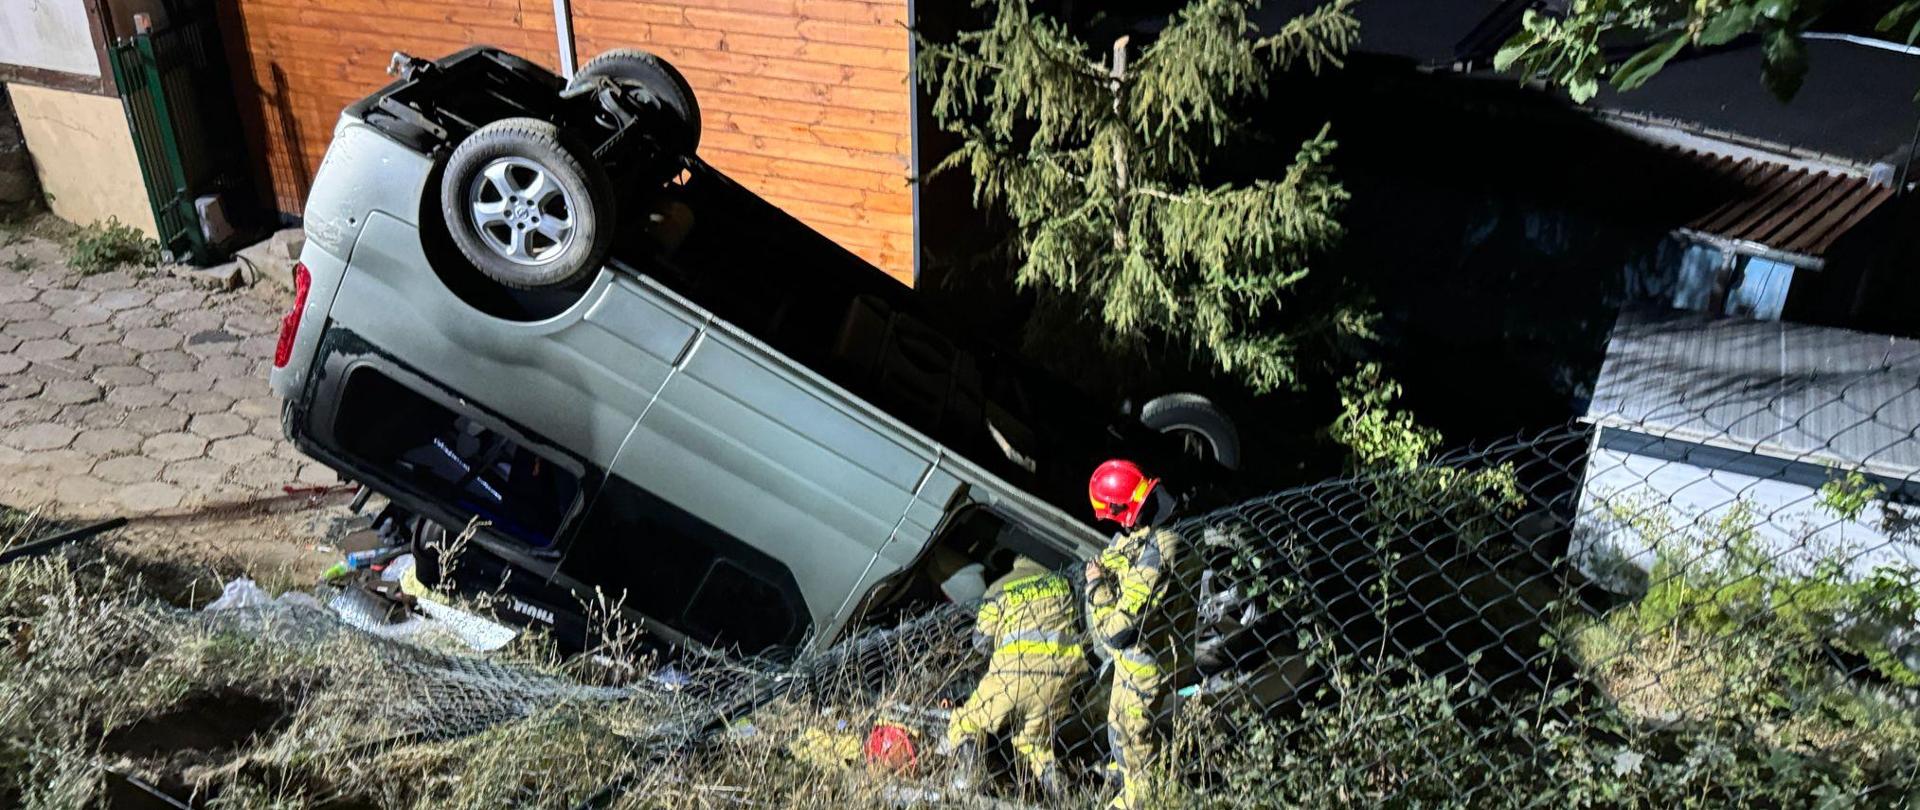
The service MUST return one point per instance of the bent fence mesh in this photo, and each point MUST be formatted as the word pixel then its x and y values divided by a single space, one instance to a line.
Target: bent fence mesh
pixel 1715 603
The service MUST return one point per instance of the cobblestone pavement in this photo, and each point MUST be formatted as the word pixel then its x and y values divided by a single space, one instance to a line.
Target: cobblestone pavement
pixel 131 394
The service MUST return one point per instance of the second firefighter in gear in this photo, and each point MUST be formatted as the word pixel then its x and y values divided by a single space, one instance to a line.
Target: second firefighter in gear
pixel 1140 601
pixel 1031 621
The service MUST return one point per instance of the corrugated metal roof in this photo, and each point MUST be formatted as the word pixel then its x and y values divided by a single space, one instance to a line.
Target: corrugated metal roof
pixel 1785 390
pixel 1788 209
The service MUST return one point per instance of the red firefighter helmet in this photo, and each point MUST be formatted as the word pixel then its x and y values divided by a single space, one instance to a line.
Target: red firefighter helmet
pixel 1117 491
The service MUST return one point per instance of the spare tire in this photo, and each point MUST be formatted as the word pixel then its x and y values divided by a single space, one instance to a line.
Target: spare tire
pixel 1207 432
pixel 525 206
pixel 636 68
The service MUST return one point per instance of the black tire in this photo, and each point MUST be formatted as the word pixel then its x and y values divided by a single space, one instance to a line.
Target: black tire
pixel 489 166
pixel 1196 419
pixel 637 68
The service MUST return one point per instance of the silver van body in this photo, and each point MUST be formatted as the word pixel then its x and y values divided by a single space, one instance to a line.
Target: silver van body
pixel 631 384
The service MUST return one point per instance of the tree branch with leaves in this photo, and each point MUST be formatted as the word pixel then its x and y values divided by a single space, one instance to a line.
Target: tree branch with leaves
pixel 1571 50
pixel 1100 155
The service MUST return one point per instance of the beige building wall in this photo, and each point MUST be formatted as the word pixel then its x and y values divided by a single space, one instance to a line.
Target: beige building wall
pixel 84 155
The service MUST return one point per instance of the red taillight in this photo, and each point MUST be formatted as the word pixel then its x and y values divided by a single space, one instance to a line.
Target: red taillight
pixel 290 325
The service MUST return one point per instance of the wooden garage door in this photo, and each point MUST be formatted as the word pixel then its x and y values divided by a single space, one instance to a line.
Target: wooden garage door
pixel 805 101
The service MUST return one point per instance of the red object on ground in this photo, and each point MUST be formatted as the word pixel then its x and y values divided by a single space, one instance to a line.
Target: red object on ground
pixel 290 325
pixel 890 747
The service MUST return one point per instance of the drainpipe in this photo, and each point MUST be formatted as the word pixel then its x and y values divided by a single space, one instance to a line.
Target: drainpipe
pixel 563 28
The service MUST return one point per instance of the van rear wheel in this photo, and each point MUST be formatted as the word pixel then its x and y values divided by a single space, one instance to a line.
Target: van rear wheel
pixel 633 67
pixel 1204 430
pixel 526 206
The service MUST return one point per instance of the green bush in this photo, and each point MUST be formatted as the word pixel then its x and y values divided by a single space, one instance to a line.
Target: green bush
pixel 109 245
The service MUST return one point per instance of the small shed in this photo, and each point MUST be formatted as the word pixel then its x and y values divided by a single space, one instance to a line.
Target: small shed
pixel 1696 417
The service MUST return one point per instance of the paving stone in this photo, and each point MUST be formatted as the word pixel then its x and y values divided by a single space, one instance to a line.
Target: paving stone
pixel 152 339
pixel 107 442
pixel 60 461
pixel 40 436
pixel 123 299
pixel 116 280
pixel 24 311
pixel 258 407
pixel 98 334
pixel 268 427
pixel 64 298
pixel 267 472
pixel 106 354
pixel 219 426
pixel 9 366
pixel 92 415
pixel 183 381
pixel 47 349
pixel 198 320
pixel 162 362
pixel 151 496
pixel 20 412
pixel 16 293
pixel 19 386
pixel 138 396
pixel 61 368
pixel 70 392
pixel 50 278
pixel 197 473
pixel 244 386
pixel 128 469
pixel 33 330
pixel 8 344
pixel 228 365
pixel 153 420
pixel 83 489
pixel 315 473
pixel 179 300
pixel 175 446
pixel 260 346
pixel 202 402
pixel 83 315
pixel 239 449
pixel 166 284
pixel 254 323
pixel 138 318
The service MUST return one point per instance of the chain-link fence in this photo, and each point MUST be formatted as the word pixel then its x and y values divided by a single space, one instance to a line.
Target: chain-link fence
pixel 1709 599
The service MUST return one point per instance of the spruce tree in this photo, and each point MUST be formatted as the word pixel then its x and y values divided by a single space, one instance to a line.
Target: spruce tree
pixel 1102 158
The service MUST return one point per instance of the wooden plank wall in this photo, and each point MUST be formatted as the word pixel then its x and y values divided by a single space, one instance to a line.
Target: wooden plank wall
pixel 804 101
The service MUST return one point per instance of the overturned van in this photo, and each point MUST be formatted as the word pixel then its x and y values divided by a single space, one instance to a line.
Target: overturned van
pixel 526 301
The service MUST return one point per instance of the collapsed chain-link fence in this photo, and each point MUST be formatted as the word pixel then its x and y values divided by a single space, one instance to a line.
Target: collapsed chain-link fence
pixel 1707 592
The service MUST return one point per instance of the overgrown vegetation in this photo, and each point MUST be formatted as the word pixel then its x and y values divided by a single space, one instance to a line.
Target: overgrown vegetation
pixel 110 245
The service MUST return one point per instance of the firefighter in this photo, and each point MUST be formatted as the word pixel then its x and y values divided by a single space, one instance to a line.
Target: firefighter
pixel 1031 621
pixel 1140 602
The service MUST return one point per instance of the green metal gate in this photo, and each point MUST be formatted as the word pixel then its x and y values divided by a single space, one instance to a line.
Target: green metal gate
pixel 174 85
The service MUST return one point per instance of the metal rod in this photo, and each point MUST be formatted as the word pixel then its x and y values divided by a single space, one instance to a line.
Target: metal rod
pixel 563 28
pixel 50 543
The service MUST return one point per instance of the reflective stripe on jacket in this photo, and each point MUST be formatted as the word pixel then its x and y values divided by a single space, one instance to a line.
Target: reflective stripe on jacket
pixel 1033 624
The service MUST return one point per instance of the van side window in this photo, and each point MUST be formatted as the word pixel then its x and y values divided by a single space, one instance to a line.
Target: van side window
pixel 680 570
pixel 738 609
pixel 454 460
